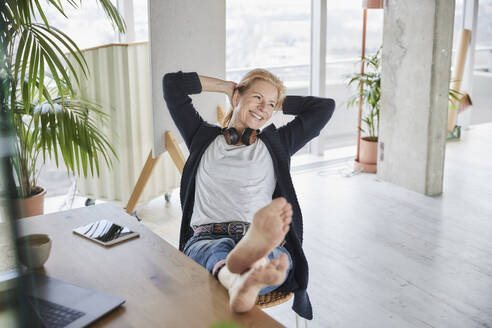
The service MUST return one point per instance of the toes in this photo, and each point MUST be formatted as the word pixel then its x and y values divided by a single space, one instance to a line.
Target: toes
pixel 271 266
pixel 273 273
pixel 279 260
pixel 283 262
pixel 282 258
pixel 279 202
pixel 287 207
pixel 255 276
pixel 287 211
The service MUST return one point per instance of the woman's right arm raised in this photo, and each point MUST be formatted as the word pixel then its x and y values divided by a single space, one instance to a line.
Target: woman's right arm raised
pixel 212 84
pixel 177 87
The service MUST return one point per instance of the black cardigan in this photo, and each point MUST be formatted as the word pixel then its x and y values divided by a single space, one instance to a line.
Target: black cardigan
pixel 312 115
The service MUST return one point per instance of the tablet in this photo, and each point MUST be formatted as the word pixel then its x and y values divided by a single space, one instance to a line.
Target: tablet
pixel 105 232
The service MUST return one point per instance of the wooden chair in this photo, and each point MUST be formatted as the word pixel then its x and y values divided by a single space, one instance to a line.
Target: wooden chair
pixel 272 299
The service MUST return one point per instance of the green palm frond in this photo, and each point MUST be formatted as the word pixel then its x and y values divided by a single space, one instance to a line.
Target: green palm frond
pixel 113 14
pixel 39 47
pixel 70 127
pixel 42 67
pixel 38 51
pixel 454 95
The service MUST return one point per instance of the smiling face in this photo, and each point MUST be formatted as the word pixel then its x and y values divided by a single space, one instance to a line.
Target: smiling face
pixel 256 105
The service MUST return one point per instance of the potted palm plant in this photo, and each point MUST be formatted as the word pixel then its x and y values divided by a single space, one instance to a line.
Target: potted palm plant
pixel 39 96
pixel 369 91
pixel 370 84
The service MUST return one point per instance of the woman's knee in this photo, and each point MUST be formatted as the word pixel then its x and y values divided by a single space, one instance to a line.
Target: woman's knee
pixel 206 251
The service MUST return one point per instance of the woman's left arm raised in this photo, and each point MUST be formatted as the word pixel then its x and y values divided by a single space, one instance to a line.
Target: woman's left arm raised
pixel 312 114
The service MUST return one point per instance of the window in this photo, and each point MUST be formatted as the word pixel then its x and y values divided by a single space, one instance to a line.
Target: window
pixel 484 24
pixel 483 42
pixel 140 15
pixel 274 35
pixel 344 37
pixel 87 25
pixel 483 53
pixel 458 22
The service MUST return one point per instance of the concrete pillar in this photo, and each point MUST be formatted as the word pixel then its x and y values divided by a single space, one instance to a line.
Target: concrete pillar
pixel 417 43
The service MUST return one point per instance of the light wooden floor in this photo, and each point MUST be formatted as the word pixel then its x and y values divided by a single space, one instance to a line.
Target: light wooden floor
pixel 383 256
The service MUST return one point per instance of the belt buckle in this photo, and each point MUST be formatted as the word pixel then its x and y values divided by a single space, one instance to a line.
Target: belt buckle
pixel 238 222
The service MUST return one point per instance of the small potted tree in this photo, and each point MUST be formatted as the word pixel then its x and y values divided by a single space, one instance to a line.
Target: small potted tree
pixel 370 82
pixel 39 96
pixel 369 90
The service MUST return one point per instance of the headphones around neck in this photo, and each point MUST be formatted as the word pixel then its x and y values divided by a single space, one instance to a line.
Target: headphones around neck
pixel 232 137
pixel 248 136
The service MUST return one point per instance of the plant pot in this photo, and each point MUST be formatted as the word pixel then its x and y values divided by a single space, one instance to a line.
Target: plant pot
pixel 368 156
pixel 32 205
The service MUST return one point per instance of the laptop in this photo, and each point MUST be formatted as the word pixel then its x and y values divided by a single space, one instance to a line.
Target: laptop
pixel 34 299
pixel 50 302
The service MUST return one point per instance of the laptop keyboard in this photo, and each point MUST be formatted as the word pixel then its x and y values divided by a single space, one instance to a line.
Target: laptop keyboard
pixel 55 315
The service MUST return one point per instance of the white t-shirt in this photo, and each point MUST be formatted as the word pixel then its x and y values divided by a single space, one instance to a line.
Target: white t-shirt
pixel 232 182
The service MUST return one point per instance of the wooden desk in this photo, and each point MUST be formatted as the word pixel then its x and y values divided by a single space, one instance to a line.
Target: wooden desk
pixel 162 286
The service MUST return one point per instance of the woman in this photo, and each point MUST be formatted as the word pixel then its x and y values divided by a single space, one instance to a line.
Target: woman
pixel 230 224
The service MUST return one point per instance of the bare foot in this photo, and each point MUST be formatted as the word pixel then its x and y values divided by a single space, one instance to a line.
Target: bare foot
pixel 245 289
pixel 269 227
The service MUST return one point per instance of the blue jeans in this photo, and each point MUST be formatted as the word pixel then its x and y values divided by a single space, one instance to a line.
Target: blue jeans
pixel 208 249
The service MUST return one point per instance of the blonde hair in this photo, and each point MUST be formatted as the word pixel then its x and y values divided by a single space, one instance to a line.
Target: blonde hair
pixel 247 81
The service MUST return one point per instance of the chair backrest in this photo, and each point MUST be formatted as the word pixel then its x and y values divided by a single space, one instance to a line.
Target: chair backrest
pixel 221 115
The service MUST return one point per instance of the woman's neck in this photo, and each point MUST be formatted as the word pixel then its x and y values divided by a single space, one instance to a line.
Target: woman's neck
pixel 238 126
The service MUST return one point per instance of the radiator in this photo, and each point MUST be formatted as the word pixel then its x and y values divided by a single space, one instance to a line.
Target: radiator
pixel 120 81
